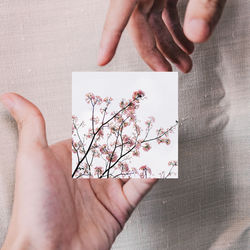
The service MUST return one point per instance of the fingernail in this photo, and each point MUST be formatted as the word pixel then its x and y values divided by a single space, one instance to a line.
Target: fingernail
pixel 198 30
pixel 7 101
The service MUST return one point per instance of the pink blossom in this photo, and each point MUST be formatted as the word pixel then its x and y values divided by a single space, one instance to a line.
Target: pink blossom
pixel 172 163
pixel 145 168
pixel 134 170
pixel 132 106
pixel 138 129
pixel 102 110
pixel 136 153
pixel 132 117
pixel 128 141
pixel 74 118
pixel 100 133
pixel 98 100
pixel 112 158
pixel 113 129
pixel 124 167
pixel 90 133
pixel 138 95
pixel 123 103
pixel 103 149
pixel 138 145
pixel 125 124
pixel 146 147
pixel 160 131
pixel 98 170
pixel 167 141
pixel 95 119
pixel 108 100
pixel 91 98
pixel 160 140
pixel 150 121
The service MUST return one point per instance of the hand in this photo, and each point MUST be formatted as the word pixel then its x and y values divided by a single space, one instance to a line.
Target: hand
pixel 53 211
pixel 156 30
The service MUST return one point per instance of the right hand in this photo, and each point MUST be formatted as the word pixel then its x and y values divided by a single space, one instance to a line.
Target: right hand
pixel 156 30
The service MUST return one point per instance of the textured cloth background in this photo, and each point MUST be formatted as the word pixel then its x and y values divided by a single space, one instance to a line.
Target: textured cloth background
pixel 42 42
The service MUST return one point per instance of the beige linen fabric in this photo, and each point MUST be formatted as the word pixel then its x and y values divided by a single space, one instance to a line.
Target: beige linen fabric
pixel 42 42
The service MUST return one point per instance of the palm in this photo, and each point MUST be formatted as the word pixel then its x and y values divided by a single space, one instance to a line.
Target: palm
pixel 73 210
pixel 99 207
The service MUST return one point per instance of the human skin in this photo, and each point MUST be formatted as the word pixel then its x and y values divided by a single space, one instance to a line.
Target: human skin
pixel 155 28
pixel 50 209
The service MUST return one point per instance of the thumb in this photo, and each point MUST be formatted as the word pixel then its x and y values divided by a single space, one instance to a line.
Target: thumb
pixel 201 18
pixel 30 122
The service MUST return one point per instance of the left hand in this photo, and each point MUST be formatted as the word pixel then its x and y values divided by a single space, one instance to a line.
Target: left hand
pixel 53 211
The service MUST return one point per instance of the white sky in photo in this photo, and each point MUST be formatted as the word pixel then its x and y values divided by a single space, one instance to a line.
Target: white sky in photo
pixel 161 90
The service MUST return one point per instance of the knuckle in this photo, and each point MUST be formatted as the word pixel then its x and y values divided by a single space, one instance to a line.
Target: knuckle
pixel 35 118
pixel 149 51
pixel 155 18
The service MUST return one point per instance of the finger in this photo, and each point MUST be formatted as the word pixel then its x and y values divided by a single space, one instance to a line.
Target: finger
pixel 171 18
pixel 167 45
pixel 201 18
pixel 30 122
pixel 135 189
pixel 117 18
pixel 145 42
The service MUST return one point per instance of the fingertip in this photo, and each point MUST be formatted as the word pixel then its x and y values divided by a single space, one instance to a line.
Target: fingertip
pixel 19 107
pixel 102 58
pixel 105 54
pixel 184 63
pixel 187 66
pixel 190 48
pixel 7 99
pixel 197 30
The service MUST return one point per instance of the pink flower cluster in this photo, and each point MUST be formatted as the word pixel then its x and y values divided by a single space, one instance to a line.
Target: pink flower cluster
pixel 137 95
pixel 146 147
pixel 112 157
pixel 93 99
pixel 172 163
pixel 96 99
pixel 128 141
pixel 150 122
pixel 167 141
pixel 145 171
pixel 123 167
pixel 98 171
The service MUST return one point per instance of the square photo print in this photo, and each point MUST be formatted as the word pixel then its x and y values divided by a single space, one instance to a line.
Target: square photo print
pixel 124 125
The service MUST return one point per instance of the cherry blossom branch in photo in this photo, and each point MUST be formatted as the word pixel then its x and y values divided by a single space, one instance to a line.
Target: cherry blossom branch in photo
pixel 106 148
